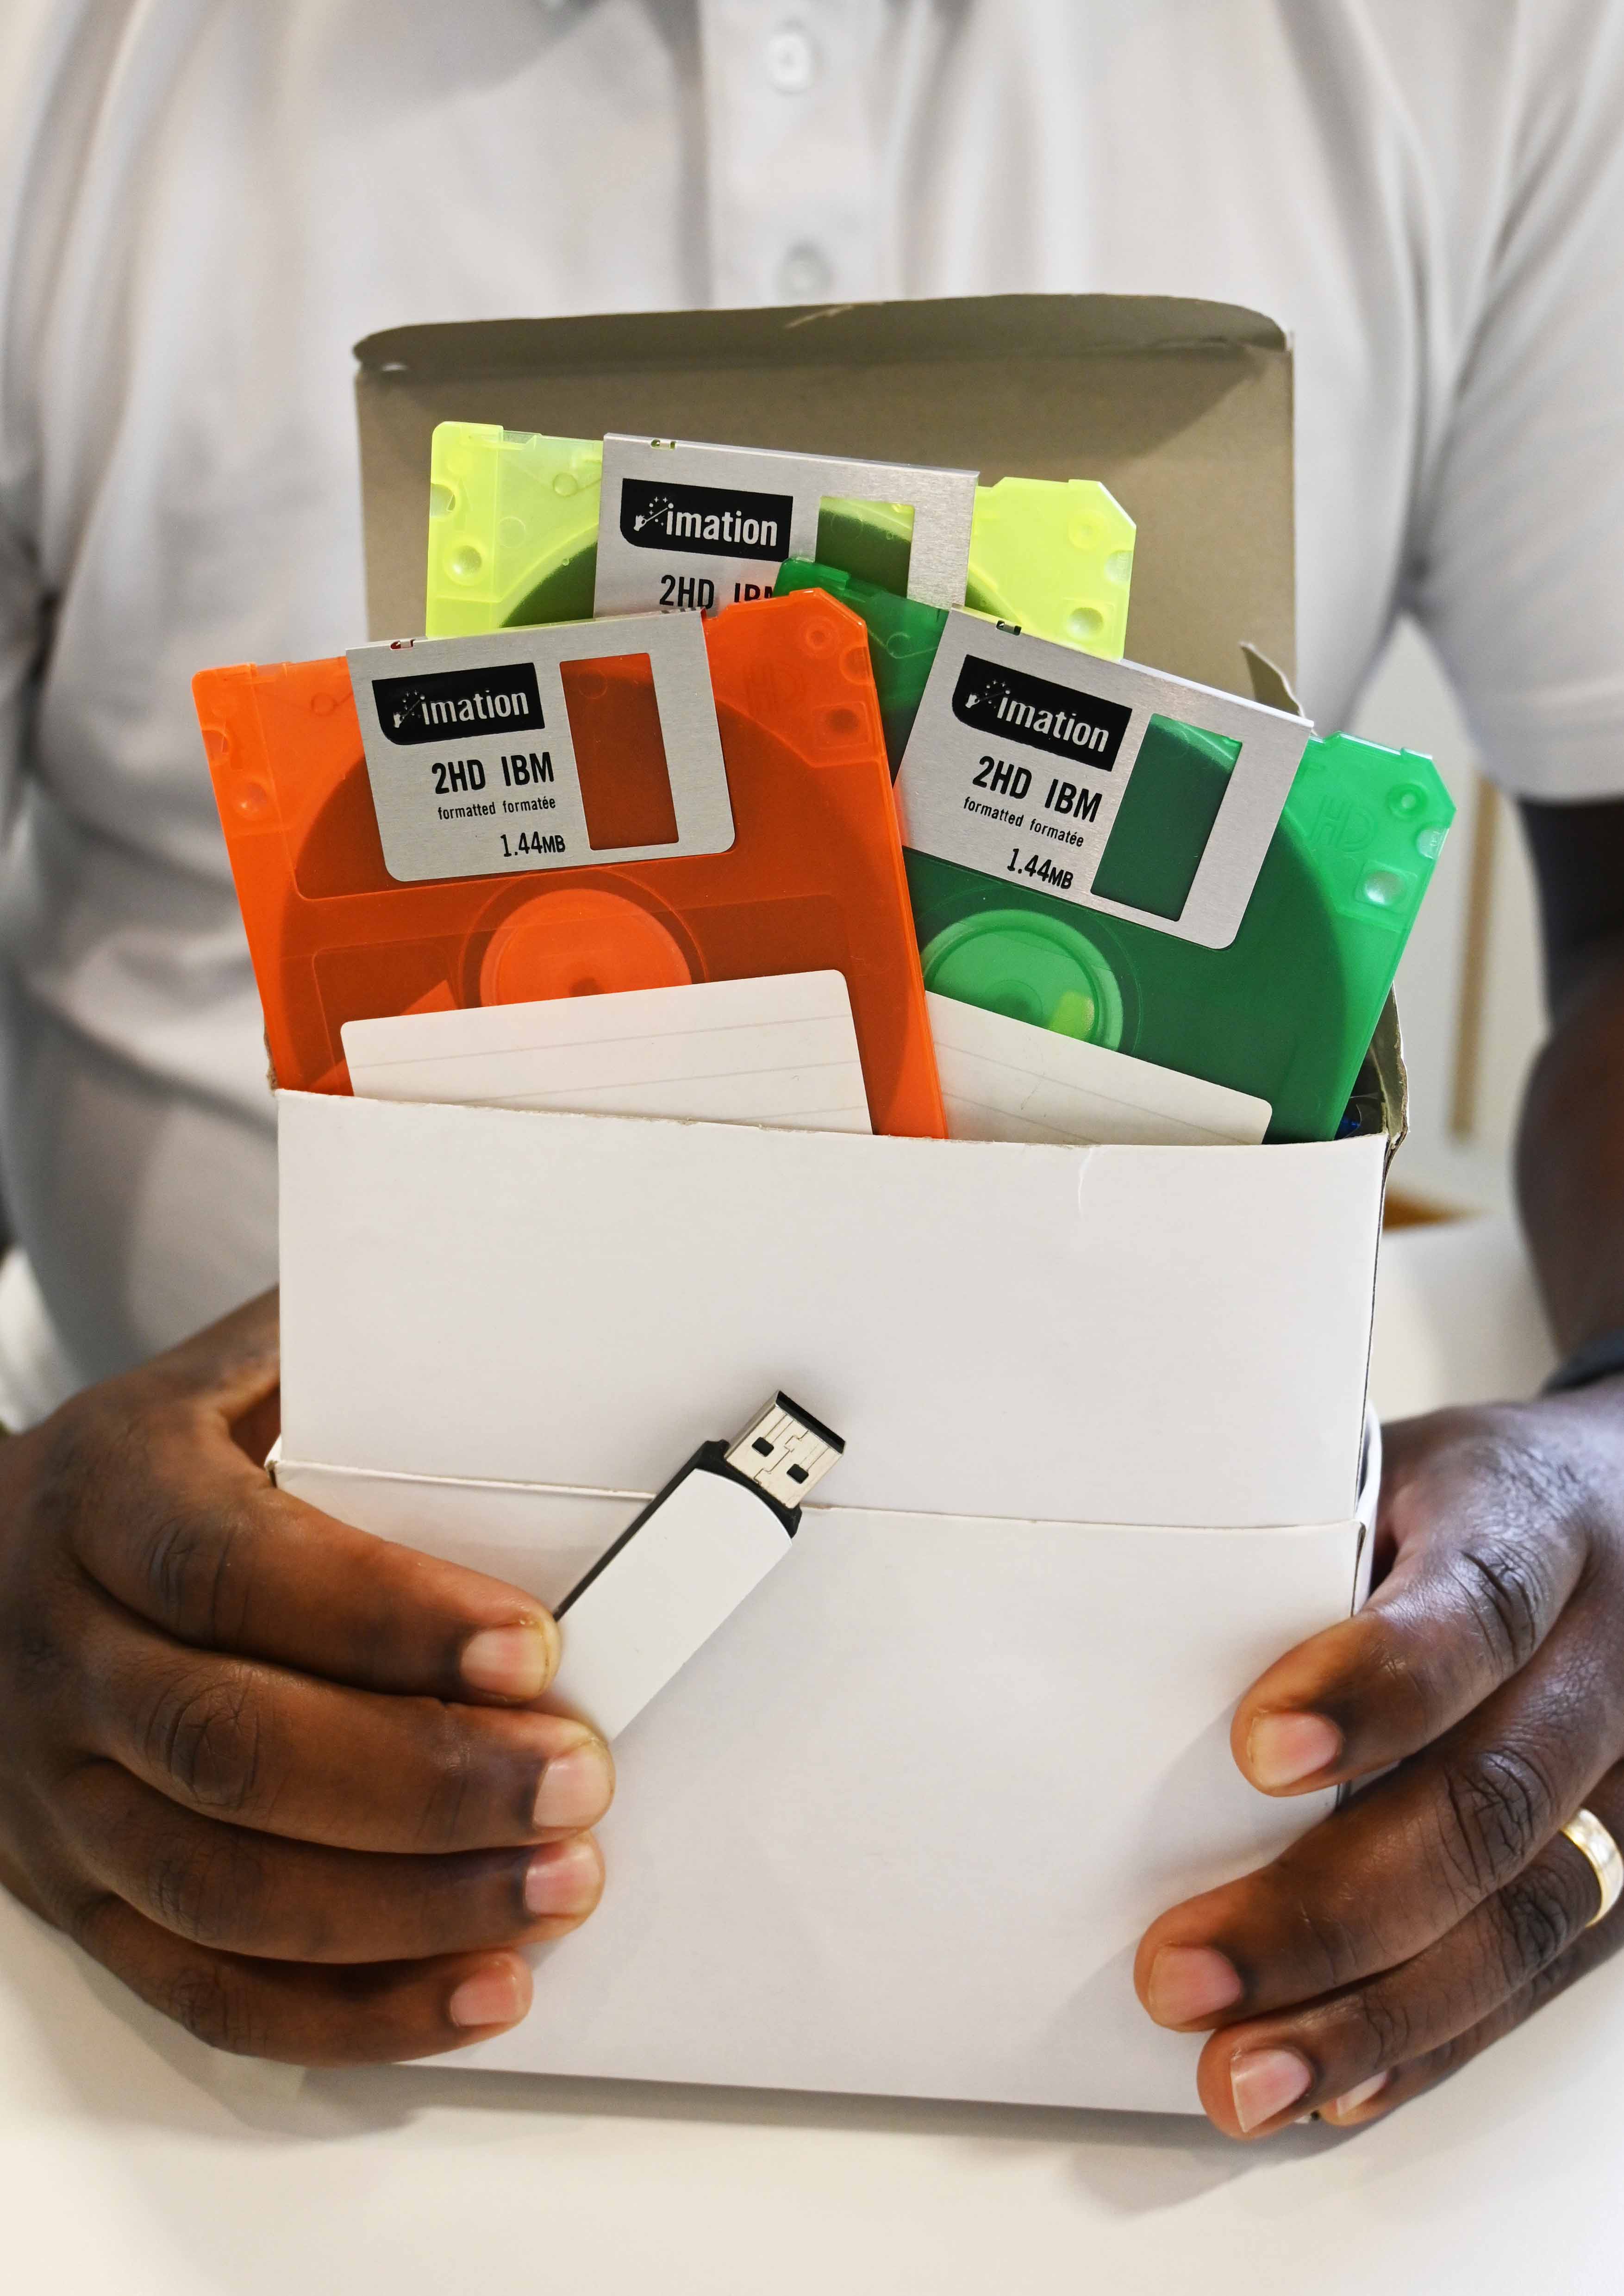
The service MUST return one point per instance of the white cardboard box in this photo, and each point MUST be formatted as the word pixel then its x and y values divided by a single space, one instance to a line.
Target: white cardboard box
pixel 899 1826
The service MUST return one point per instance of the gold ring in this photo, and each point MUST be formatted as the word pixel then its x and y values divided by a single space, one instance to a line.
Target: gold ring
pixel 1591 1838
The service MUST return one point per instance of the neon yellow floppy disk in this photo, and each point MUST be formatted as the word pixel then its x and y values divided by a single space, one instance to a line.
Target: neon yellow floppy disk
pixel 513 539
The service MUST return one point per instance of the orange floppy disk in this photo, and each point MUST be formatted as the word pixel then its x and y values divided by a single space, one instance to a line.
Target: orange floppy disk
pixel 568 810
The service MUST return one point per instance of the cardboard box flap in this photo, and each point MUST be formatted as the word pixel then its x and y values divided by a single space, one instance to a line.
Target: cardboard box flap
pixel 1386 1059
pixel 1163 1335
pixel 1195 440
pixel 836 334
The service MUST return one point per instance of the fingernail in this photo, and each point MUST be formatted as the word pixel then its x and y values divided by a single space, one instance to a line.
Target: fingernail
pixel 509 1661
pixel 1355 2097
pixel 1190 1981
pixel 499 1994
pixel 1280 1749
pixel 564 1878
pixel 576 1787
pixel 1265 2082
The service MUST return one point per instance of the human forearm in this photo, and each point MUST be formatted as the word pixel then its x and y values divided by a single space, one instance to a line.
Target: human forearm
pixel 1571 1152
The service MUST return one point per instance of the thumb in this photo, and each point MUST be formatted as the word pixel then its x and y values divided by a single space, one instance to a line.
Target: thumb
pixel 1483 1563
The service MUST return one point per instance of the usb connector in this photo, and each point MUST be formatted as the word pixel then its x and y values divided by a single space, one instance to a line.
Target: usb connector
pixel 785 1451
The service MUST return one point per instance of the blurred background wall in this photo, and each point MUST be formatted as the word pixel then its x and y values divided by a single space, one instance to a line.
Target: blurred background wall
pixel 1471 997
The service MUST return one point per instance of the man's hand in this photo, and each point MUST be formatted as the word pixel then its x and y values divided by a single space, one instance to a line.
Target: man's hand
pixel 1440 1905
pixel 278 1776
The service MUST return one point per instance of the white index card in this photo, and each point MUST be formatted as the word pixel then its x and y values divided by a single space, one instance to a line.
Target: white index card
pixel 780 1050
pixel 1005 1080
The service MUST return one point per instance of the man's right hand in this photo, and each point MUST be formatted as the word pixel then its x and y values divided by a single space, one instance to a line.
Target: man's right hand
pixel 284 1779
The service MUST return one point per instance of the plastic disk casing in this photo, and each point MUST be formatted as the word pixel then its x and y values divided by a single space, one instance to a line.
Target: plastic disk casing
pixel 812 881
pixel 1288 1009
pixel 513 528
pixel 903 636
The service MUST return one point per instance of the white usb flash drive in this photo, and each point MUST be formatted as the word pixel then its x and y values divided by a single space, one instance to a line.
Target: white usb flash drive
pixel 686 1564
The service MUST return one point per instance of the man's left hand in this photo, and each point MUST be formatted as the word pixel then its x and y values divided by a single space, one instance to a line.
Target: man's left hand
pixel 1482 1689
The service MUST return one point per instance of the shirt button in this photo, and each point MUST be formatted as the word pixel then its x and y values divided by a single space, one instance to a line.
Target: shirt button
pixel 804 274
pixel 792 60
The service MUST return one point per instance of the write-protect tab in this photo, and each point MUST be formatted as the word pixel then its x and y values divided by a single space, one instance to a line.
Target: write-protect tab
pixel 686 525
pixel 477 769
pixel 1022 753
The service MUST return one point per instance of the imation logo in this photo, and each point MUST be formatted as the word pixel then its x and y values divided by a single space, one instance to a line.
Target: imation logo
pixel 718 522
pixel 1082 727
pixel 430 707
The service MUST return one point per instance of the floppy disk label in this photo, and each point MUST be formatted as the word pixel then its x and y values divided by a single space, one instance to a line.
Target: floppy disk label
pixel 1004 1079
pixel 682 525
pixel 778 1051
pixel 1022 750
pixel 478 769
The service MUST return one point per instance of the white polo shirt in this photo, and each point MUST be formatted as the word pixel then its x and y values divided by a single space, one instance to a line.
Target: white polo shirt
pixel 203 203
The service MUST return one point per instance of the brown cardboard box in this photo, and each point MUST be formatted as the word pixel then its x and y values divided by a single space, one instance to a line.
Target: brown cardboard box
pixel 1182 408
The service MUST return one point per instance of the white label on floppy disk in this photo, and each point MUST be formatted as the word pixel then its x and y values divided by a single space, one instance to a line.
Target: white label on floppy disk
pixel 472 762
pixel 1005 1080
pixel 682 524
pixel 781 1052
pixel 1022 749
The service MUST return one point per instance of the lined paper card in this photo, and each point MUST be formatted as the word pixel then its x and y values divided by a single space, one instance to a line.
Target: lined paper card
pixel 779 1052
pixel 1004 1079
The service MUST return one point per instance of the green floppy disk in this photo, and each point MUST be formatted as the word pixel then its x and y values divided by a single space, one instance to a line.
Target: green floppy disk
pixel 513 530
pixel 1288 1009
